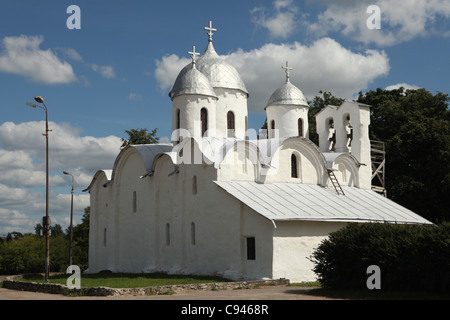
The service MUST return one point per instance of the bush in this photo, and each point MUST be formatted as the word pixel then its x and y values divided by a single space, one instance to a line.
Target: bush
pixel 410 257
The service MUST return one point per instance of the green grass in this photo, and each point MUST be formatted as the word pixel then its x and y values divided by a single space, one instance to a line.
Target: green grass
pixel 131 280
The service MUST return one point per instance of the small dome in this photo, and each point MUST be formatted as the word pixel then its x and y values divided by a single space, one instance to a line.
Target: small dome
pixel 219 73
pixel 191 81
pixel 287 94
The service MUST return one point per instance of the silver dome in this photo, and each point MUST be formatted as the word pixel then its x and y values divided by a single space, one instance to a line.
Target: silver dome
pixel 287 94
pixel 219 73
pixel 191 81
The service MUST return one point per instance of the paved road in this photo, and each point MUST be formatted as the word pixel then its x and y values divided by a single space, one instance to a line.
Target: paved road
pixel 266 293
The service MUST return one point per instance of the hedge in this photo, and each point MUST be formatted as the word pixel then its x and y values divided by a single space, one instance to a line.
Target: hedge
pixel 410 257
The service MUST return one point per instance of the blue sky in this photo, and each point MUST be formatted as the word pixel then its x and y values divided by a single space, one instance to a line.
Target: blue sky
pixel 115 73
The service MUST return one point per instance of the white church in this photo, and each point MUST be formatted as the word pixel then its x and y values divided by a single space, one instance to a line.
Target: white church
pixel 221 201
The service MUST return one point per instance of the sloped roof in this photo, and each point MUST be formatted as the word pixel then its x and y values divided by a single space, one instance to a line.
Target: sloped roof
pixel 292 201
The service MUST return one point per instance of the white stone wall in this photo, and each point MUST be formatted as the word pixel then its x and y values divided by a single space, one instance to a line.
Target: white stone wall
pixel 286 120
pixel 359 116
pixel 236 102
pixel 293 243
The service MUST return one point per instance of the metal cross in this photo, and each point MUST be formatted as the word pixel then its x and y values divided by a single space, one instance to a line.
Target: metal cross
pixel 193 54
pixel 287 69
pixel 210 30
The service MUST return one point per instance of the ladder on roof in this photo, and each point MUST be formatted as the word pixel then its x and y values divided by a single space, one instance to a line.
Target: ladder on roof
pixel 335 183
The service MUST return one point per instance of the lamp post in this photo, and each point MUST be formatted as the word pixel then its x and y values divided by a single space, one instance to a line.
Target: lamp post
pixel 47 218
pixel 71 220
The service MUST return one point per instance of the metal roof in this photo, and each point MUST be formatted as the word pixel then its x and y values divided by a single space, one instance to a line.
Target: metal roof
pixel 287 94
pixel 220 73
pixel 191 81
pixel 307 202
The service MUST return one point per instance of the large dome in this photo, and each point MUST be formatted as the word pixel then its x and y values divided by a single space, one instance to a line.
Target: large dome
pixel 219 73
pixel 191 81
pixel 287 94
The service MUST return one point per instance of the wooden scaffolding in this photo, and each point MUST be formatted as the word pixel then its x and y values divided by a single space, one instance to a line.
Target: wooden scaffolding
pixel 378 157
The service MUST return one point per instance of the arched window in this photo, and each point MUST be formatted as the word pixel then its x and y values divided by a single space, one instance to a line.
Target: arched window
pixel 300 127
pixel 230 124
pixel 193 233
pixel 272 129
pixel 294 166
pixel 204 120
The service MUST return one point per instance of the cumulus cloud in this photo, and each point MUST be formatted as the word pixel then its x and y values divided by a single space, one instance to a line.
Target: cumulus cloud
pixel 280 23
pixel 323 65
pixel 402 85
pixel 400 21
pixel 105 71
pixel 168 68
pixel 23 56
pixel 22 171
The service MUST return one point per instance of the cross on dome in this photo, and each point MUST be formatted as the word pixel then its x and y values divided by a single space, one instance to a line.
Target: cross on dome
pixel 193 55
pixel 210 30
pixel 287 69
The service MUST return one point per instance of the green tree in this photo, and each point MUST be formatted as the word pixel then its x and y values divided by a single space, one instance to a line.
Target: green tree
pixel 139 136
pixel 81 241
pixel 415 126
pixel 316 105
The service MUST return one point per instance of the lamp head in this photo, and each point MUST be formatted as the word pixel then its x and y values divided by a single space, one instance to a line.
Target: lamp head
pixel 39 99
pixel 31 105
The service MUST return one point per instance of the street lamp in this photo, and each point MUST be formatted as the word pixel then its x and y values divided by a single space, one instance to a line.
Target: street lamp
pixel 71 221
pixel 46 222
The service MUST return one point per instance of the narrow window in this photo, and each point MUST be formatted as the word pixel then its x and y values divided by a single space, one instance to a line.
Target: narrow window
pixel 104 237
pixel 331 135
pixel 167 234
pixel 204 120
pixel 251 248
pixel 230 124
pixel 294 171
pixel 193 233
pixel 178 119
pixel 194 185
pixel 134 202
pixel 300 127
pixel 272 127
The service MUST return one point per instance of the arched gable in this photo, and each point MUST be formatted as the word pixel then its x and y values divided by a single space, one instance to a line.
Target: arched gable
pixel 311 163
pixel 346 168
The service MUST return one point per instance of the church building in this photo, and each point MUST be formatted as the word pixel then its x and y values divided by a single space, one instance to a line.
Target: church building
pixel 219 200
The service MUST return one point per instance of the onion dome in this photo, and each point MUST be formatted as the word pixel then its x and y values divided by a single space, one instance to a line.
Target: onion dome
pixel 192 81
pixel 219 73
pixel 287 94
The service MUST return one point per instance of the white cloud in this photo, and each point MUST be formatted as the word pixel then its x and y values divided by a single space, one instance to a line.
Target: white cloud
pixel 22 56
pixel 22 171
pixel 168 68
pixel 279 24
pixel 23 156
pixel 324 65
pixel 406 86
pixel 105 71
pixel 400 21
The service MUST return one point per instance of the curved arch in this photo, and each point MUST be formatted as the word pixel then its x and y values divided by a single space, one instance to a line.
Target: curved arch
pixel 305 148
pixel 148 154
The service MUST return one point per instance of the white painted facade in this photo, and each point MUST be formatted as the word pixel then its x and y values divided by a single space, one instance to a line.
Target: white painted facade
pixel 220 205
